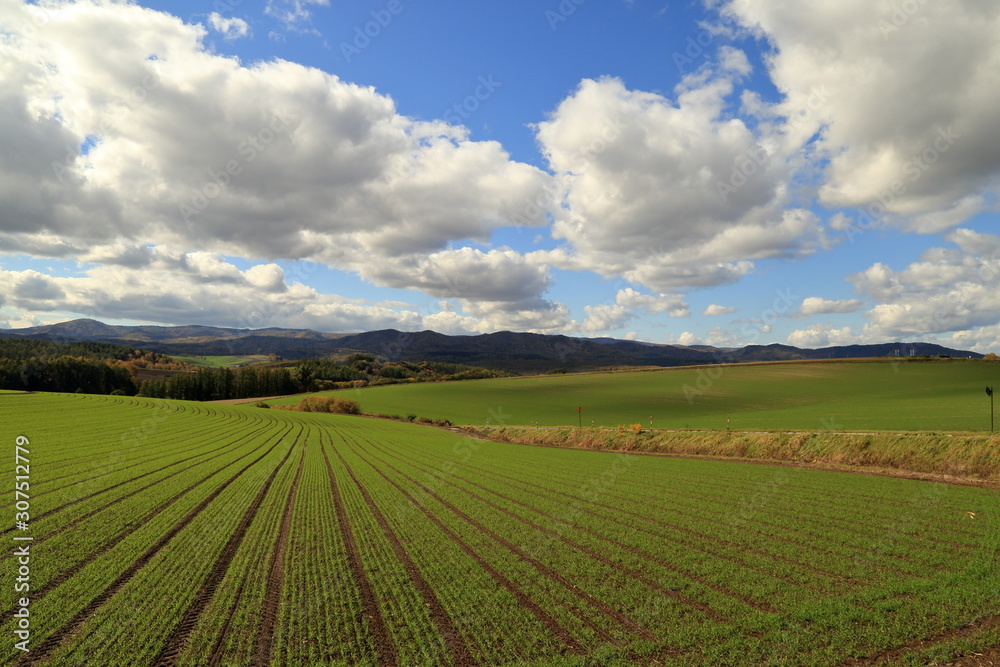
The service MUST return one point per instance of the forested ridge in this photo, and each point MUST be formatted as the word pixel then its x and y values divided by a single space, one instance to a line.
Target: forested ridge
pixel 103 368
pixel 91 368
pixel 307 375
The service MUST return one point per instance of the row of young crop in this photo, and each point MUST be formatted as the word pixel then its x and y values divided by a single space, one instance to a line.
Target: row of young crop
pixel 240 536
pixel 561 590
pixel 571 580
pixel 864 594
pixel 168 556
pixel 109 534
pixel 322 617
pixel 223 620
pixel 474 531
pixel 819 506
pixel 62 495
pixel 454 577
pixel 780 536
pixel 84 532
pixel 901 522
pixel 101 439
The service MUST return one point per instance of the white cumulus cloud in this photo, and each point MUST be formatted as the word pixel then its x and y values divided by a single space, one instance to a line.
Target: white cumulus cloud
pixel 905 122
pixel 815 305
pixel 669 194
pixel 230 27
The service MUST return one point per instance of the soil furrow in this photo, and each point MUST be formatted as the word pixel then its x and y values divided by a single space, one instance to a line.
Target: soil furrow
pixel 540 614
pixel 541 567
pixel 65 575
pixel 894 656
pixel 653 500
pixel 371 609
pixel 218 652
pixel 755 604
pixel 179 636
pixel 705 519
pixel 702 537
pixel 686 545
pixel 635 574
pixel 68 628
pixel 76 501
pixel 276 573
pixel 130 494
pixel 456 644
pixel 91 455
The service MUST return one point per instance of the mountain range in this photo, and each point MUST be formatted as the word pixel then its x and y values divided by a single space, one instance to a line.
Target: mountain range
pixel 521 352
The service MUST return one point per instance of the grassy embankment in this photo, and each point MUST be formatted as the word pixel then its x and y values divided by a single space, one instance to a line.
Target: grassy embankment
pixel 924 416
pixel 940 454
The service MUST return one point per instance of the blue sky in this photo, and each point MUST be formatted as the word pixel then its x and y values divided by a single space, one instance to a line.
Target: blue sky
pixel 721 172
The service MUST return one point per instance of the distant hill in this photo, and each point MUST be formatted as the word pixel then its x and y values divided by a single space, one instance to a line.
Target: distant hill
pixel 521 352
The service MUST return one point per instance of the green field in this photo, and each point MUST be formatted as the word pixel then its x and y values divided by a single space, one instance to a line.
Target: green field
pixel 167 532
pixel 914 396
pixel 222 361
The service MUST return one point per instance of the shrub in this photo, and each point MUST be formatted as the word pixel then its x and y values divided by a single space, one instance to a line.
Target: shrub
pixel 261 404
pixel 636 428
pixel 335 405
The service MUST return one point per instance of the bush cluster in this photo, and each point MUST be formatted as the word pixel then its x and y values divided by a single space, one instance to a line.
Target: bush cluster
pixel 329 404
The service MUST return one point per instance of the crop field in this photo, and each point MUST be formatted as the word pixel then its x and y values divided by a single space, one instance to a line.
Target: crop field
pixel 220 362
pixel 876 395
pixel 174 533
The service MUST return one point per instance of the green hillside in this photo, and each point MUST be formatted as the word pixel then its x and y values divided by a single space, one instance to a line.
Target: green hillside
pixel 852 395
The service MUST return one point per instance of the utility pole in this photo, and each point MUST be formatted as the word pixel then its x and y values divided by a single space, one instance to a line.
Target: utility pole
pixel 989 391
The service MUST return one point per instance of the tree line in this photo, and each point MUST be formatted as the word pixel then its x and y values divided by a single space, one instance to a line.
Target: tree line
pixel 92 368
pixel 217 384
pixel 66 374
pixel 102 368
